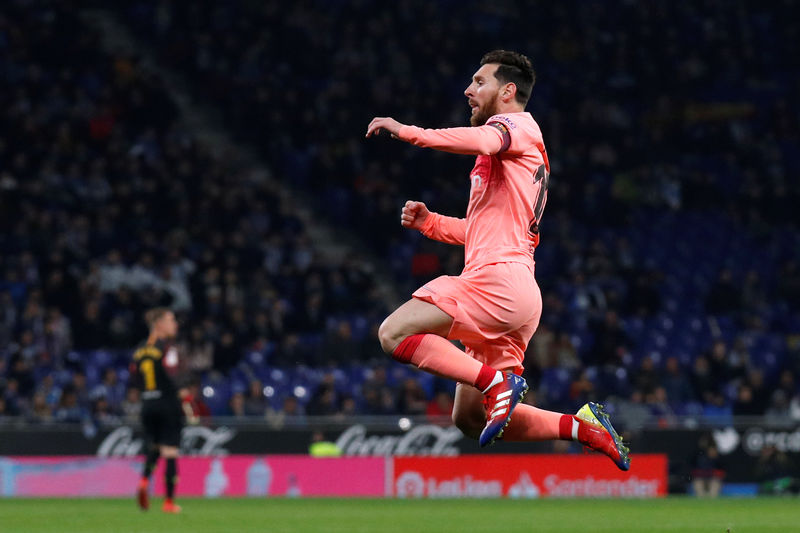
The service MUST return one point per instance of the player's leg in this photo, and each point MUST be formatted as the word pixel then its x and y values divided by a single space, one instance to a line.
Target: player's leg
pixel 528 424
pixel 591 426
pixel 467 308
pixel 169 450
pixel 151 458
pixel 416 334
pixel 170 454
pixel 150 427
pixel 469 415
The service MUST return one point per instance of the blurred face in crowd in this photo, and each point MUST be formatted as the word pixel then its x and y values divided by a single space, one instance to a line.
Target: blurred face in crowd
pixel 483 94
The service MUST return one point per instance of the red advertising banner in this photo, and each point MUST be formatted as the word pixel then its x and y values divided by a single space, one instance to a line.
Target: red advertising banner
pixel 528 476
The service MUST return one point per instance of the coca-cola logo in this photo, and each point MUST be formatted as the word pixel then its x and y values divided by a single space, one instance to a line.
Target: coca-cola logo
pixel 425 439
pixel 195 440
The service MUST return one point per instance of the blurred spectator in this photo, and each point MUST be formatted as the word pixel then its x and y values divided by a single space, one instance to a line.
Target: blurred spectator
pixel 704 383
pixel 131 407
pixel 194 398
pixel 777 413
pixel 102 413
pixel 41 412
pixel 111 389
pixel 255 403
pixel 291 413
pixel 774 471
pixel 324 401
pixel 197 351
pixel 348 408
pixel 707 470
pixel 610 340
pixel 69 408
pixel 340 347
pixel 660 409
pixel 440 408
pixel 582 389
pixel 12 403
pixel 676 383
pixel 411 398
pixel 48 389
pixel 227 352
pixel 646 379
pixel 322 447
pixel 236 405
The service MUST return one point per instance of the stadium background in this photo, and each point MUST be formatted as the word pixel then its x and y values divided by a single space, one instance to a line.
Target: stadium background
pixel 209 156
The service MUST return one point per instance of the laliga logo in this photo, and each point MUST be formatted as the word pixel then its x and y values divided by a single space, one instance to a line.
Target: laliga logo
pixel 410 485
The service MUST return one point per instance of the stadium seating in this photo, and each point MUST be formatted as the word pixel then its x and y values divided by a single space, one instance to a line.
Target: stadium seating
pixel 671 201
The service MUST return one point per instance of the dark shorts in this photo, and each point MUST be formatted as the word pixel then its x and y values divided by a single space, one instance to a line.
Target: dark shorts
pixel 162 422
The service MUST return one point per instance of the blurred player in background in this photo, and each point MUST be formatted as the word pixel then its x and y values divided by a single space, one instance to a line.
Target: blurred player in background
pixel 494 306
pixel 162 415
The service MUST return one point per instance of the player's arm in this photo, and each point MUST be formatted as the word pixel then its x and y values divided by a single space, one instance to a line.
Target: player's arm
pixel 489 139
pixel 449 230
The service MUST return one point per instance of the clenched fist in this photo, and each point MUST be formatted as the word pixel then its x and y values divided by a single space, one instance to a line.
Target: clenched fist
pixel 414 215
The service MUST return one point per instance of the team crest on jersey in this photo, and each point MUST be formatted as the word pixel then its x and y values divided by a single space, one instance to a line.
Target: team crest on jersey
pixel 479 177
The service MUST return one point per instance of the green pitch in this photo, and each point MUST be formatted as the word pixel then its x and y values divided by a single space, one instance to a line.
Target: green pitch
pixel 407 516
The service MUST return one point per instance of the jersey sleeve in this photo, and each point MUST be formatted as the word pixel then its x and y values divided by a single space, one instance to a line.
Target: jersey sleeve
pixel 449 230
pixel 482 140
pixel 521 137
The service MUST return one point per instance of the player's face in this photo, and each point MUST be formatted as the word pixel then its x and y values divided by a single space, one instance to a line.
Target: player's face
pixel 482 94
pixel 168 325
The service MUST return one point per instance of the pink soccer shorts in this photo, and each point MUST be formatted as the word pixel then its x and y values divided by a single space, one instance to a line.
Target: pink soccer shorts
pixel 495 308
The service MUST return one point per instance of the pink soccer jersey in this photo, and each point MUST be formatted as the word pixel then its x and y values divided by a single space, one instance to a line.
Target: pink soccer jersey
pixel 508 187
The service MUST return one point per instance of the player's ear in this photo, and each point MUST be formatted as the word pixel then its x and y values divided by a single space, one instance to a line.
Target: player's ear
pixel 508 92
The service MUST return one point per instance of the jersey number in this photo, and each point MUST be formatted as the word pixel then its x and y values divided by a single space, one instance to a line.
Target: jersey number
pixel 538 208
pixel 148 370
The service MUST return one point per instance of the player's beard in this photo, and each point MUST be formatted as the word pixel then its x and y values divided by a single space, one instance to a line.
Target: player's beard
pixel 484 112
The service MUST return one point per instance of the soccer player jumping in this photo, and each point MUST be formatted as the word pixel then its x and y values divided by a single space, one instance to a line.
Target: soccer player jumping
pixel 494 306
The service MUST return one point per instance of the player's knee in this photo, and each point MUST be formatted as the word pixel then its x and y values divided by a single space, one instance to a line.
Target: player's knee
pixel 389 336
pixel 169 452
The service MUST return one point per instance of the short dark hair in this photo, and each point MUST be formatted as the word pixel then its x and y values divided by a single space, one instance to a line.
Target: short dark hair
pixel 154 315
pixel 513 68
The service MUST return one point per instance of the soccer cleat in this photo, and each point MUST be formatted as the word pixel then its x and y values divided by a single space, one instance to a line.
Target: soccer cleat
pixel 598 434
pixel 171 507
pixel 142 497
pixel 500 401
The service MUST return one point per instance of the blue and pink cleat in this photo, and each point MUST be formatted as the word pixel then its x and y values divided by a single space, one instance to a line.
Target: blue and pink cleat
pixel 500 402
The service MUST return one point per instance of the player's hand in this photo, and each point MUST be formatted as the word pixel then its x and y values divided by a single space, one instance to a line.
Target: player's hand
pixel 384 123
pixel 414 215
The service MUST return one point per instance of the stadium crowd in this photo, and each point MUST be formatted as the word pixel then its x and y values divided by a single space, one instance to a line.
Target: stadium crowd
pixel 669 255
